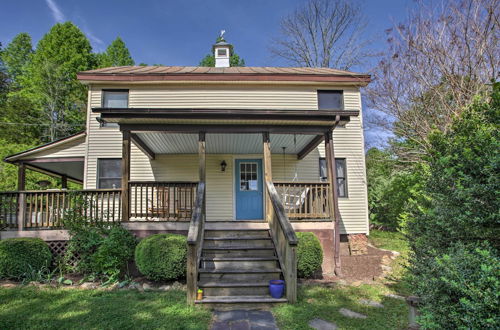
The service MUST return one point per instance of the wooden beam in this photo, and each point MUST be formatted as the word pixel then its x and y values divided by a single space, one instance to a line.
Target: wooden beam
pixel 142 146
pixel 64 182
pixel 125 174
pixel 202 156
pixel 333 198
pixel 310 146
pixel 228 129
pixel 21 176
pixel 268 175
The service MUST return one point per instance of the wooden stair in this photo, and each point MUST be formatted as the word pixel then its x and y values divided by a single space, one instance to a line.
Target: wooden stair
pixel 236 266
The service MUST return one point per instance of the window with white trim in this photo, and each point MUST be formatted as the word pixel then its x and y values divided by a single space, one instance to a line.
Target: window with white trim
pixel 109 173
pixel 341 171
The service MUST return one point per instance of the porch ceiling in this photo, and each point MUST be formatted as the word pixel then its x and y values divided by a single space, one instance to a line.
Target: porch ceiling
pixel 179 143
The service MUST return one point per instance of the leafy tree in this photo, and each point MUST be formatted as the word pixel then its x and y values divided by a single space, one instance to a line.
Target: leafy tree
pixel 50 79
pixel 17 55
pixel 19 121
pixel 4 84
pixel 117 54
pixel 455 236
pixel 234 59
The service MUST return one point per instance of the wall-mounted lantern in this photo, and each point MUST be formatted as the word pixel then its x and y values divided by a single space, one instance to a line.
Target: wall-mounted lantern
pixel 223 165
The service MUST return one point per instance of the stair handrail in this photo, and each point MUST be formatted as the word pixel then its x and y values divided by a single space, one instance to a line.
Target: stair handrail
pixel 195 243
pixel 285 241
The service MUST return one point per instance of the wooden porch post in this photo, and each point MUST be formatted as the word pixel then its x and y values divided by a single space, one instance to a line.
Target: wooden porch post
pixel 333 197
pixel 268 175
pixel 202 162
pixel 21 176
pixel 64 182
pixel 125 174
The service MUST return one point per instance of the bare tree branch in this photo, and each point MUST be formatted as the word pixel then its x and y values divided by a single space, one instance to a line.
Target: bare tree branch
pixel 323 33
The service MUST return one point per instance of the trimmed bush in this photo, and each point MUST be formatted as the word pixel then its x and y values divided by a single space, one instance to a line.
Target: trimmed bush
pixel 162 256
pixel 20 256
pixel 309 254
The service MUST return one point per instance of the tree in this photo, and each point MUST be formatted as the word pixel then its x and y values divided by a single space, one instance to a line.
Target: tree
pixel 4 84
pixel 117 54
pixel 455 236
pixel 234 59
pixel 323 33
pixel 50 79
pixel 17 55
pixel 435 64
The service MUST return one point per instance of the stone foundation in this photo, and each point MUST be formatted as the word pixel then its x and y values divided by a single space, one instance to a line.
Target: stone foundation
pixel 358 244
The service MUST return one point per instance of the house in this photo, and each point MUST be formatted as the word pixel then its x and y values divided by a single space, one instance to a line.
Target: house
pixel 237 158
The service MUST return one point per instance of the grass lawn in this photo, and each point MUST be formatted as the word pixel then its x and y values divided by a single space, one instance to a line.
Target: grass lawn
pixel 316 301
pixel 49 308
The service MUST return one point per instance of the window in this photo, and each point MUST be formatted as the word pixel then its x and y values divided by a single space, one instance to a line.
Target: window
pixel 115 98
pixel 109 173
pixel 330 100
pixel 222 52
pixel 340 165
pixel 248 176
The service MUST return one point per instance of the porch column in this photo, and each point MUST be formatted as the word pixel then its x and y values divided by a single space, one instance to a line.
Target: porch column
pixel 21 176
pixel 268 175
pixel 125 174
pixel 333 197
pixel 64 182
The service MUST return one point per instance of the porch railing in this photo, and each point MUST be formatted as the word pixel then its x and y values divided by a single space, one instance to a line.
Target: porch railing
pixel 162 201
pixel 304 200
pixel 46 209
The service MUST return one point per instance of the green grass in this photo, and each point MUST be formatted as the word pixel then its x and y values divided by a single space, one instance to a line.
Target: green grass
pixel 317 301
pixel 51 308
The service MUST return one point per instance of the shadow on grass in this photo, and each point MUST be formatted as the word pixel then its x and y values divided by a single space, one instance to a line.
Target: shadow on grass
pixel 325 302
pixel 45 308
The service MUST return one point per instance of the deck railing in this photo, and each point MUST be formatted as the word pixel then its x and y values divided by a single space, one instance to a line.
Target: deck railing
pixel 162 201
pixel 46 209
pixel 304 200
pixel 195 243
pixel 285 241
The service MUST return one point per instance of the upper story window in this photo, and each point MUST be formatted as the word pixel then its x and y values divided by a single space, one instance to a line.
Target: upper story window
pixel 115 98
pixel 330 100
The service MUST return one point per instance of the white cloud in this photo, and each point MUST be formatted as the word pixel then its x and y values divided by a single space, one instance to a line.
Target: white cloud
pixel 56 12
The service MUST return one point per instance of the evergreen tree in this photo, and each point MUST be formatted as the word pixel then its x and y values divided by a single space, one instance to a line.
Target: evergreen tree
pixel 117 54
pixel 17 55
pixel 50 79
pixel 234 59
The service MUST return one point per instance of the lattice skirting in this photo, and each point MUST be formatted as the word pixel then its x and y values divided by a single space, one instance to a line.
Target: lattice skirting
pixel 59 248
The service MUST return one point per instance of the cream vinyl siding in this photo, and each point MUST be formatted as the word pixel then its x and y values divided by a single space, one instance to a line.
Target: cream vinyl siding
pixel 348 143
pixel 75 148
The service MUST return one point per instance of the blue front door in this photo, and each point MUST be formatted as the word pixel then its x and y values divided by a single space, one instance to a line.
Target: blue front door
pixel 248 186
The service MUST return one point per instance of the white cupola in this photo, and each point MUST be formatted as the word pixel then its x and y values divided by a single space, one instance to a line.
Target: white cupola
pixel 222 52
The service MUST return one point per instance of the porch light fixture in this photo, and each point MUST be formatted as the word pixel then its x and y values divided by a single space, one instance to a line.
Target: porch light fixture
pixel 223 165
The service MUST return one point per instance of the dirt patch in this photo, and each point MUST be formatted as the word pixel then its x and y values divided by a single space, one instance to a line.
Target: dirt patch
pixel 367 267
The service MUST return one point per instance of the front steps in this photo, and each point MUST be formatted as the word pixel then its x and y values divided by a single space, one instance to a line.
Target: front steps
pixel 236 266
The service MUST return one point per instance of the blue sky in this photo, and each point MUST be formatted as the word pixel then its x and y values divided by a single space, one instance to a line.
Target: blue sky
pixel 182 32
pixel 178 32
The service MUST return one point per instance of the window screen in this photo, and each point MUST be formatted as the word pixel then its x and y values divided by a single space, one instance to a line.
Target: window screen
pixel 115 98
pixel 330 100
pixel 109 173
pixel 340 165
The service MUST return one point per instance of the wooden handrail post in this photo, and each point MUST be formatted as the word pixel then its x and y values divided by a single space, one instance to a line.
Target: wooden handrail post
pixel 21 177
pixel 21 211
pixel 268 175
pixel 64 182
pixel 333 198
pixel 125 175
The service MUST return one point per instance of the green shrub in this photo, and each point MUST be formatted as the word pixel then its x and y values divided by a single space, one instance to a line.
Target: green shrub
pixel 309 255
pixel 162 256
pixel 102 252
pixel 461 290
pixel 20 256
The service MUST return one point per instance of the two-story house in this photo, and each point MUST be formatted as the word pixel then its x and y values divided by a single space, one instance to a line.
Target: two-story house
pixel 237 158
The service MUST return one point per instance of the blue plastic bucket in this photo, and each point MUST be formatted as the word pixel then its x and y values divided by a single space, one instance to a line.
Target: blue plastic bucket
pixel 276 288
